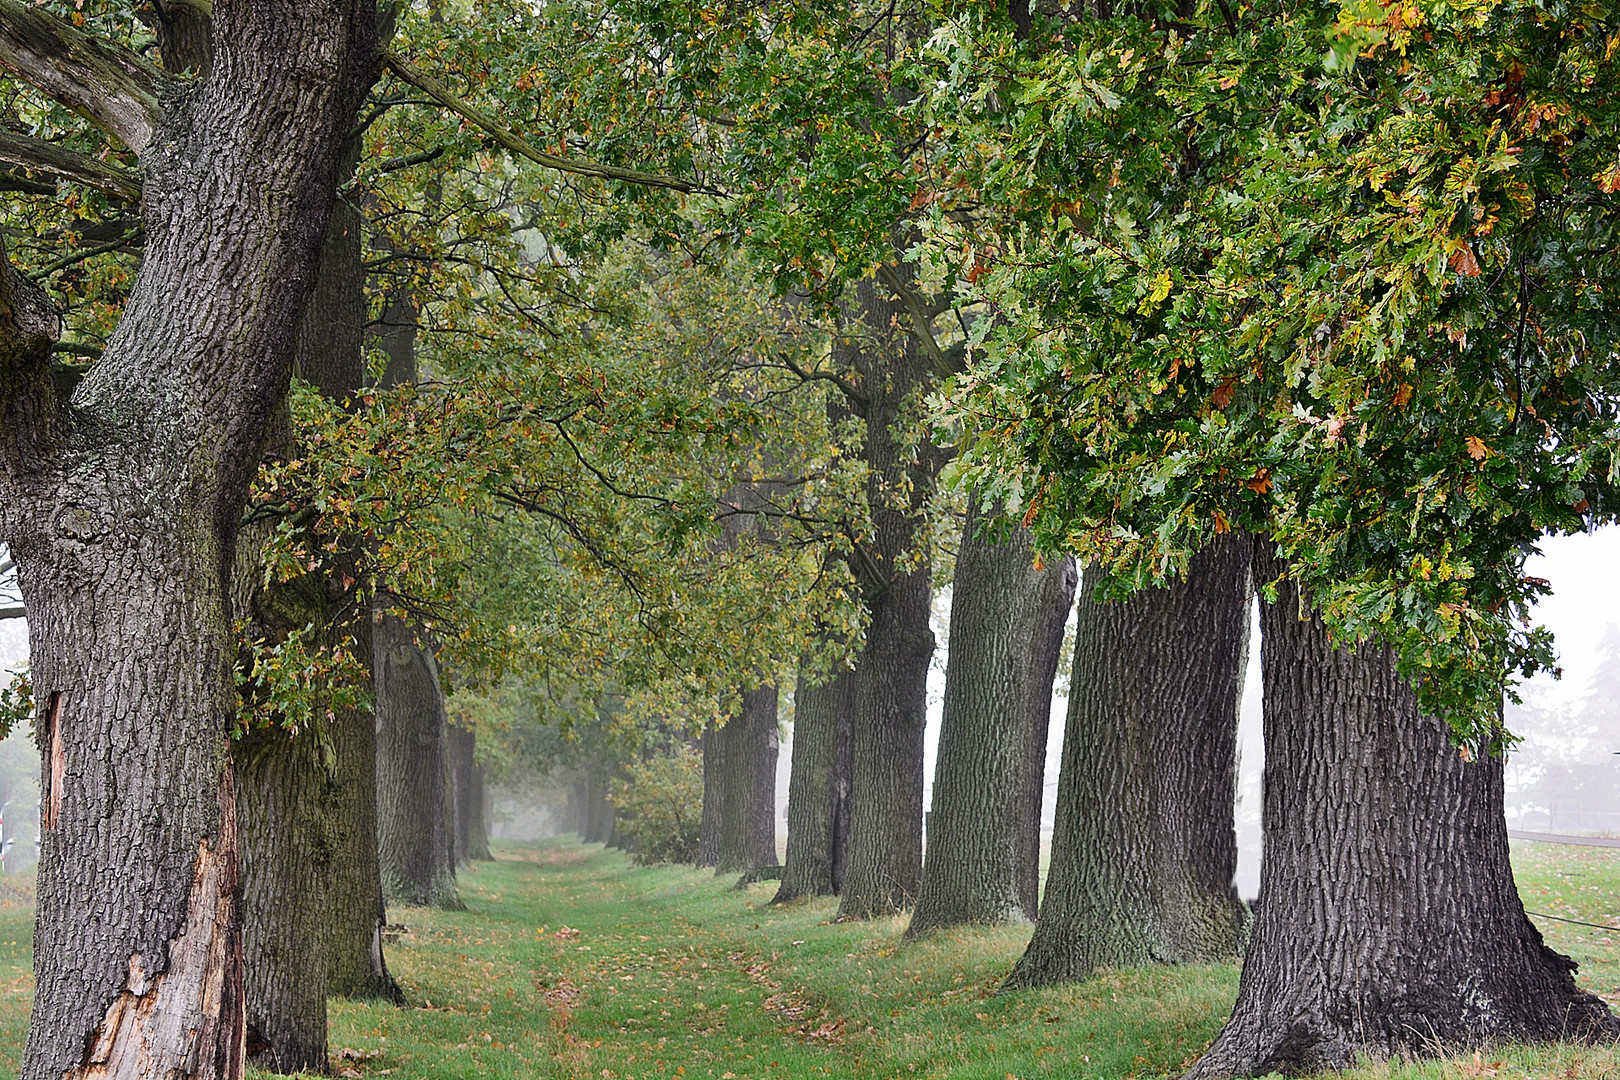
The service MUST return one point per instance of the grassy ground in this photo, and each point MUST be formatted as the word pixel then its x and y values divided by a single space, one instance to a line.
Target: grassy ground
pixel 570 963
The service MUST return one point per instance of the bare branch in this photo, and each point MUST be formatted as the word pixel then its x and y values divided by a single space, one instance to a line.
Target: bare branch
pixel 521 146
pixel 6 566
pixel 110 86
pixel 39 156
pixel 13 613
pixel 89 253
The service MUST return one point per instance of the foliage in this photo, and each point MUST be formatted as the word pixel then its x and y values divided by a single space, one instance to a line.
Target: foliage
pixel 16 703
pixel 1356 300
pixel 660 805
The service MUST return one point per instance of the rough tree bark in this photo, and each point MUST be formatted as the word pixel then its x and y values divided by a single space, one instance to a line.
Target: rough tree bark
pixel 121 503
pixel 747 838
pixel 817 794
pixel 1388 919
pixel 1144 850
pixel 891 678
pixel 356 967
pixel 1002 608
pixel 413 830
pixel 1046 651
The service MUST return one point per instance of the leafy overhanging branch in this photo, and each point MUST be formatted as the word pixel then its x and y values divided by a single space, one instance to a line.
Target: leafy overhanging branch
pixel 112 87
pixel 521 146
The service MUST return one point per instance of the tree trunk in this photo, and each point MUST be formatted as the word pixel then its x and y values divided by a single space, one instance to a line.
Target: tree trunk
pixel 121 506
pixel 748 823
pixel 1388 919
pixel 598 811
pixel 714 796
pixel 1046 651
pixel 891 678
pixel 413 830
pixel 821 718
pixel 355 964
pixel 287 856
pixel 1001 610
pixel 1144 849
pixel 472 839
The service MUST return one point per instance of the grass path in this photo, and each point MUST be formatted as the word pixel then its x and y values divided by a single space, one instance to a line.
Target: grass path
pixel 569 963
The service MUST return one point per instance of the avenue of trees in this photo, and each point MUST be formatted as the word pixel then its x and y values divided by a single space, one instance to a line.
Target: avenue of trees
pixel 398 399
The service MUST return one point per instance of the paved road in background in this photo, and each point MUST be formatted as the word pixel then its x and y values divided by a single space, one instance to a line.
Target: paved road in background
pixel 1560 838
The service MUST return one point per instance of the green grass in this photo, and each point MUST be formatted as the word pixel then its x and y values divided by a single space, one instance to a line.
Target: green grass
pixel 569 963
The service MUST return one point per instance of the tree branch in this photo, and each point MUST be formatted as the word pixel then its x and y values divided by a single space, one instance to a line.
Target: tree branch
pixel 13 613
pixel 522 147
pixel 89 253
pixel 110 86
pixel 39 156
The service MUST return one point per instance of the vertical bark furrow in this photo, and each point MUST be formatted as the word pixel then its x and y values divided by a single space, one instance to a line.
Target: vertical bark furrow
pixel 288 849
pixel 1388 919
pixel 1144 850
pixel 1002 608
pixel 747 822
pixel 821 717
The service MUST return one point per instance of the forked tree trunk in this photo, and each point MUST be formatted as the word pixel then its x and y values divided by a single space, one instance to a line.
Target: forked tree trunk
pixel 1144 849
pixel 748 821
pixel 884 863
pixel 1388 919
pixel 413 830
pixel 1046 651
pixel 1002 608
pixel 821 719
pixel 121 506
pixel 714 795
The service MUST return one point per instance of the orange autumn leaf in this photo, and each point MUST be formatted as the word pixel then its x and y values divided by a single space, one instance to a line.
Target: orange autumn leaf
pixel 1463 261
pixel 1476 448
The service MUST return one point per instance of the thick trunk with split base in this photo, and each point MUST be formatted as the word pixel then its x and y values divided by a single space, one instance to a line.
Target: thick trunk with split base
pixel 413 830
pixel 1144 850
pixel 120 506
pixel 747 839
pixel 818 793
pixel 1003 604
pixel 891 677
pixel 1388 919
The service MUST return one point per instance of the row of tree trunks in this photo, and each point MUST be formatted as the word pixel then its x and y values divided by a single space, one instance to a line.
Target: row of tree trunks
pixel 1388 918
pixel 818 787
pixel 748 747
pixel 998 691
pixel 1143 850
